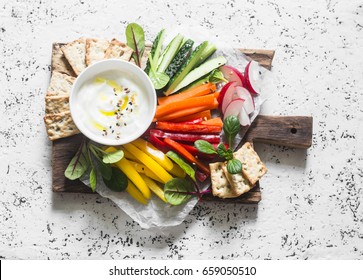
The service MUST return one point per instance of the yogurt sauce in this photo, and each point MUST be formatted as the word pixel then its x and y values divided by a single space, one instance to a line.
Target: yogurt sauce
pixel 111 104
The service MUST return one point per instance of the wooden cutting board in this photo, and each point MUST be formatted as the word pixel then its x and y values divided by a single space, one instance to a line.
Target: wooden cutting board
pixel 287 131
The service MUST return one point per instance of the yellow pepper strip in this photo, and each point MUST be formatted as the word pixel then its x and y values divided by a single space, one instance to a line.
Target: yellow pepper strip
pixel 135 193
pixel 149 162
pixel 131 173
pixel 177 171
pixel 130 156
pixel 144 170
pixel 154 153
pixel 154 187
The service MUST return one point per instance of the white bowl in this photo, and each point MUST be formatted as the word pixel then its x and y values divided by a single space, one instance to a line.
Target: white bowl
pixel 139 76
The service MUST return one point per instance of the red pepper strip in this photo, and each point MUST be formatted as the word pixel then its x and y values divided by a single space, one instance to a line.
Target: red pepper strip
pixel 193 121
pixel 194 128
pixel 158 143
pixel 184 153
pixel 194 151
pixel 211 138
pixel 201 176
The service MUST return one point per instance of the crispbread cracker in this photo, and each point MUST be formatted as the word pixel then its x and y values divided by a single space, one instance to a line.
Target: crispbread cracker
pixel 220 186
pixel 239 184
pixel 59 61
pixel 96 50
pixel 252 167
pixel 75 52
pixel 60 84
pixel 120 50
pixel 60 125
pixel 145 56
pixel 56 104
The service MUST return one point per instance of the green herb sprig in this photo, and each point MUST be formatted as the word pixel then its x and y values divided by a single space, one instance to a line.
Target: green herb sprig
pixel 231 128
pixel 217 76
pixel 82 162
pixel 135 39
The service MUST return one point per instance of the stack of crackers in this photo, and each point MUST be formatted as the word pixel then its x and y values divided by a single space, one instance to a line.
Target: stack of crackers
pixel 227 185
pixel 68 61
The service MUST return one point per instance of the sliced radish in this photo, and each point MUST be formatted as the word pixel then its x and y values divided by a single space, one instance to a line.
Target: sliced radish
pixel 233 108
pixel 223 93
pixel 253 77
pixel 232 75
pixel 228 96
pixel 243 117
pixel 244 94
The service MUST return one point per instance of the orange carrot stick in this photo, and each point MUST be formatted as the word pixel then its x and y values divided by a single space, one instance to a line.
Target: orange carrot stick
pixel 200 90
pixel 187 112
pixel 163 110
pixel 215 122
pixel 205 115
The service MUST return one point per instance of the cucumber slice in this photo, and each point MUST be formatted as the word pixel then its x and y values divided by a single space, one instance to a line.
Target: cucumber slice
pixel 158 42
pixel 170 51
pixel 209 50
pixel 182 55
pixel 186 67
pixel 202 80
pixel 200 71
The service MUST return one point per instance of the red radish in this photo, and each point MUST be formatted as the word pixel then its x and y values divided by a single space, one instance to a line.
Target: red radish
pixel 253 77
pixel 243 117
pixel 228 96
pixel 232 75
pixel 244 94
pixel 223 93
pixel 233 108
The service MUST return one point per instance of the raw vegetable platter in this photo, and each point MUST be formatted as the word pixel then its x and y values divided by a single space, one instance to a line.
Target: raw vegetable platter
pixel 200 100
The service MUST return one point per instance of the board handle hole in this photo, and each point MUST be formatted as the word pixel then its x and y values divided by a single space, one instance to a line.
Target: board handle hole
pixel 293 130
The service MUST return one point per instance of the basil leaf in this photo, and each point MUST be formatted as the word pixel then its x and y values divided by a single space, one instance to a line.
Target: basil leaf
pixel 204 147
pixel 93 179
pixel 78 165
pixel 217 76
pixel 183 165
pixel 135 38
pixel 234 166
pixel 178 191
pixel 105 170
pixel 221 150
pixel 113 157
pixel 228 155
pixel 158 79
pixel 117 182
pixel 231 127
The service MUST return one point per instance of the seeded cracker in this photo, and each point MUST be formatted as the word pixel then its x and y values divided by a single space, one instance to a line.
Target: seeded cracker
pixel 56 104
pixel 252 167
pixel 75 53
pixel 239 184
pixel 59 62
pixel 60 84
pixel 220 186
pixel 60 125
pixel 96 50
pixel 119 50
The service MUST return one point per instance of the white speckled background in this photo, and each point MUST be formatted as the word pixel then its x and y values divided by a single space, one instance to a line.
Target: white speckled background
pixel 312 201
